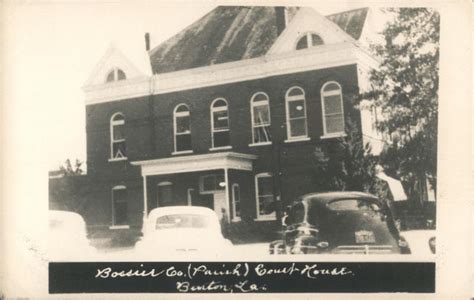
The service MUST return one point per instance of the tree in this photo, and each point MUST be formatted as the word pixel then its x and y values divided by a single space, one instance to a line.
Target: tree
pixel 405 88
pixel 68 170
pixel 346 164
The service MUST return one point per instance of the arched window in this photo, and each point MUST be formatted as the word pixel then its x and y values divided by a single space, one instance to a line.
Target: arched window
pixel 296 113
pixel 117 137
pixel 119 206
pixel 309 40
pixel 164 194
pixel 261 121
pixel 115 74
pixel 333 109
pixel 264 196
pixel 220 123
pixel 235 202
pixel 182 129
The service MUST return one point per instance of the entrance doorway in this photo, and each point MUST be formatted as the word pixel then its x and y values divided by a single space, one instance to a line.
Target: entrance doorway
pixel 220 206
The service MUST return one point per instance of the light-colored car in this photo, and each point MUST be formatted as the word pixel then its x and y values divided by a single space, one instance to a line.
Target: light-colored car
pixel 67 237
pixel 422 242
pixel 182 231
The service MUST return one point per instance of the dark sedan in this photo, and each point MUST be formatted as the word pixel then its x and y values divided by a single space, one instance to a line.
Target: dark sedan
pixel 339 222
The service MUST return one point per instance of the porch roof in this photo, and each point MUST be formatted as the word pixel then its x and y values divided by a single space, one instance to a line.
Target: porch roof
pixel 194 163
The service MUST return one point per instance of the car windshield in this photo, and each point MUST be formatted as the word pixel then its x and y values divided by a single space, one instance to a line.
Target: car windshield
pixel 182 221
pixel 353 205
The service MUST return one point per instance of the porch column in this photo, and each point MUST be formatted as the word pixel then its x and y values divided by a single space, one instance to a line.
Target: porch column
pixel 145 200
pixel 226 178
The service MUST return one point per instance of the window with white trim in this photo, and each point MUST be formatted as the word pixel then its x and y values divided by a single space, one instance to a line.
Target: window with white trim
pixel 296 125
pixel 220 123
pixel 309 40
pixel 117 137
pixel 265 197
pixel 182 129
pixel 164 194
pixel 116 74
pixel 235 201
pixel 333 109
pixel 119 206
pixel 261 121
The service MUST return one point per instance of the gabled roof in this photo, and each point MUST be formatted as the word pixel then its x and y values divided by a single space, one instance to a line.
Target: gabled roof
pixel 114 58
pixel 232 33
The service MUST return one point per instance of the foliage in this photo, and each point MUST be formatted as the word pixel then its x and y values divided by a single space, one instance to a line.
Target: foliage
pixel 405 88
pixel 345 164
pixel 68 170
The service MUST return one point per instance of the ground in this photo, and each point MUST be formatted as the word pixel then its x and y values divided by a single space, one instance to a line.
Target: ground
pixel 128 253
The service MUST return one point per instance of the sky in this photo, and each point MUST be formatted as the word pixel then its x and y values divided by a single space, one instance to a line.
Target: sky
pixel 51 48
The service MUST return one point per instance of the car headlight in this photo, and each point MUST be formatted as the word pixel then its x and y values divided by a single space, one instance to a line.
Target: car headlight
pixel 402 243
pixel 323 244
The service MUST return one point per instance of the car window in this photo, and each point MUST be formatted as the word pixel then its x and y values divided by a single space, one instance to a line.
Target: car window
pixel 354 205
pixel 182 221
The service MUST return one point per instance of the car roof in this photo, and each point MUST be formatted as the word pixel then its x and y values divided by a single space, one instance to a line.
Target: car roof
pixel 62 215
pixel 171 210
pixel 324 198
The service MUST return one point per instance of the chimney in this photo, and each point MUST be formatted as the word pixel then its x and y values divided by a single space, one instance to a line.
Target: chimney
pixel 280 12
pixel 147 41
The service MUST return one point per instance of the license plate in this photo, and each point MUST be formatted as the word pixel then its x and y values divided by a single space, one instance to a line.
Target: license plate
pixel 364 237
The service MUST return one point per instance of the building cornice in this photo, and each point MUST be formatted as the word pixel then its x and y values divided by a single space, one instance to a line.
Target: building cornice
pixel 322 57
pixel 194 163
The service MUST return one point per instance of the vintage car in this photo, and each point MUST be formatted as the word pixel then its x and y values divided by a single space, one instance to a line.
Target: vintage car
pixel 67 237
pixel 422 242
pixel 187 230
pixel 339 223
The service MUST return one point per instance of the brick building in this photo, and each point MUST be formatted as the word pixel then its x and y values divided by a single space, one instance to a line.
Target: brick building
pixel 227 116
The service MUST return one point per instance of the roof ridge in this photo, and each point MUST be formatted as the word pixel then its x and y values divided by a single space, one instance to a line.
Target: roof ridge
pixel 346 11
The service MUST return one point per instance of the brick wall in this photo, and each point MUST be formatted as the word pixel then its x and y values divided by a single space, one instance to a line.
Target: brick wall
pixel 149 120
pixel 149 135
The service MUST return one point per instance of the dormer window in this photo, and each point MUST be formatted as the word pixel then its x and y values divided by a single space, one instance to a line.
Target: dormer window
pixel 115 75
pixel 309 40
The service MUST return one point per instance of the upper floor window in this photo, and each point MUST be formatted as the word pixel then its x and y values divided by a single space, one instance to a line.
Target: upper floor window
pixel 117 137
pixel 333 108
pixel 309 40
pixel 264 195
pixel 116 74
pixel 261 122
pixel 119 206
pixel 182 129
pixel 296 113
pixel 220 123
